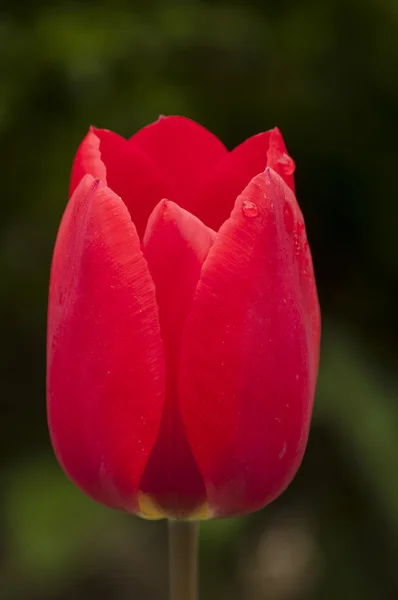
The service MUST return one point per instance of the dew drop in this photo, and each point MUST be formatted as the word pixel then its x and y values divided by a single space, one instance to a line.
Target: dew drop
pixel 300 227
pixel 288 218
pixel 287 163
pixel 296 244
pixel 249 208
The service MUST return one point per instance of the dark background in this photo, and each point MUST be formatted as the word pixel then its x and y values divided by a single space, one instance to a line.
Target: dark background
pixel 325 72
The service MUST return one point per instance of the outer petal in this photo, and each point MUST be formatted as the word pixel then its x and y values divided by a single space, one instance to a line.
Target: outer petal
pixel 105 369
pixel 250 351
pixel 215 196
pixel 125 169
pixel 183 151
pixel 175 245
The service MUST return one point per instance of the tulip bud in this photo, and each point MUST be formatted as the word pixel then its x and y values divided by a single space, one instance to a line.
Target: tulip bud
pixel 183 323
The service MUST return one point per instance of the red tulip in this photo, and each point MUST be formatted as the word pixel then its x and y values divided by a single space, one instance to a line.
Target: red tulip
pixel 183 338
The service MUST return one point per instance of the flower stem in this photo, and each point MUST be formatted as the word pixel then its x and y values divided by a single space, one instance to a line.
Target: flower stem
pixel 183 560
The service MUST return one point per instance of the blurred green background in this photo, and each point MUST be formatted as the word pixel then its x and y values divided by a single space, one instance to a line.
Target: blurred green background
pixel 327 74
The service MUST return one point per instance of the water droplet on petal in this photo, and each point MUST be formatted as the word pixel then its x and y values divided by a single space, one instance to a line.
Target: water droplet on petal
pixel 287 163
pixel 300 227
pixel 249 208
pixel 296 243
pixel 288 218
pixel 299 238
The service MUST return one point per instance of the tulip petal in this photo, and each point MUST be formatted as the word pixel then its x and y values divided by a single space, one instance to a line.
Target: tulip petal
pixel 215 196
pixel 105 368
pixel 250 350
pixel 125 169
pixel 175 245
pixel 88 161
pixel 182 150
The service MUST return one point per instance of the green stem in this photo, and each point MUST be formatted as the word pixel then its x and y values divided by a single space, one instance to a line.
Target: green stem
pixel 183 560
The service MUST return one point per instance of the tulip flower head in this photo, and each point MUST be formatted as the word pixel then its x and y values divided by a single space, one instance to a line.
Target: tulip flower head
pixel 183 323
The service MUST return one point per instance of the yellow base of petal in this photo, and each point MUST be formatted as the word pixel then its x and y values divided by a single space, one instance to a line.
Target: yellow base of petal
pixel 150 509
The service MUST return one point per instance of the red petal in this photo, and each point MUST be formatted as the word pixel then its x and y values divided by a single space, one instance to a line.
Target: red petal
pixel 216 195
pixel 182 150
pixel 87 161
pixel 175 245
pixel 125 169
pixel 105 358
pixel 250 351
